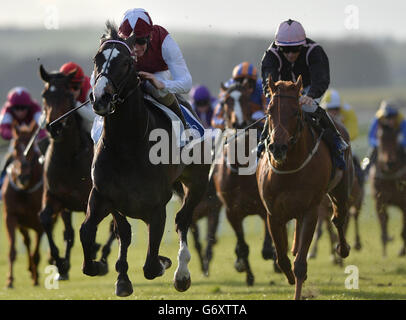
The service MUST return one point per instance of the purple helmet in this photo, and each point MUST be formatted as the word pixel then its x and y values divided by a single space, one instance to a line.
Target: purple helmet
pixel 199 93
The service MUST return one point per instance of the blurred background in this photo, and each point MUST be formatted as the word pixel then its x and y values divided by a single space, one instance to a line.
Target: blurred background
pixel 365 40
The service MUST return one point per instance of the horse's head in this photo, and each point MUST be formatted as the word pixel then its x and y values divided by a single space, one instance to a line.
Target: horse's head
pixel 237 111
pixel 57 97
pixel 21 170
pixel 114 72
pixel 285 116
pixel 389 150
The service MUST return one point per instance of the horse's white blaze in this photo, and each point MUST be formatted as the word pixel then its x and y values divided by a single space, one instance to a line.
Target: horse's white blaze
pixel 182 272
pixel 106 54
pixel 237 106
pixel 99 87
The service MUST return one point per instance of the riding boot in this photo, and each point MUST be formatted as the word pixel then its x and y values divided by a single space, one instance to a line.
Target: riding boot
pixel 327 123
pixel 263 136
pixel 171 102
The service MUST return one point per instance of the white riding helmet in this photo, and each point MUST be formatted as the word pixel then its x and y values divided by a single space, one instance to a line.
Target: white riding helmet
pixel 331 100
pixel 290 33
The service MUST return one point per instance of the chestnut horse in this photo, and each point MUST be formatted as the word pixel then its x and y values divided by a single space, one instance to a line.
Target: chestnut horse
pixel 294 174
pixel 389 180
pixel 326 211
pixel 127 182
pixel 239 193
pixel 66 169
pixel 21 192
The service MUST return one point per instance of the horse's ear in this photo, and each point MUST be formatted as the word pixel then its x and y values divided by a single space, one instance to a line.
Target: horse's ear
pixel 271 84
pixel 71 75
pixel 299 83
pixel 45 76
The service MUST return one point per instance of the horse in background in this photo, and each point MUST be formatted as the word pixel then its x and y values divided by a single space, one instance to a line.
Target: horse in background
pixel 126 182
pixel 209 208
pixel 67 167
pixel 239 193
pixel 294 174
pixel 388 178
pixel 21 194
pixel 326 210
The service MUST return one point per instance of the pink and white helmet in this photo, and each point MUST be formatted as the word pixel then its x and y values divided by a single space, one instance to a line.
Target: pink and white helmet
pixel 135 21
pixel 290 33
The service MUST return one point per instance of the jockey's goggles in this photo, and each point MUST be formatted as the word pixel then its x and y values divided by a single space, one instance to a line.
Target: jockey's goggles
pixel 19 107
pixel 141 41
pixel 293 49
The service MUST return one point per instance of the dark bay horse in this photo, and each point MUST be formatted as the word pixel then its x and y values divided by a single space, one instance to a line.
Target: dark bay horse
pixel 238 192
pixel 67 167
pixel 293 176
pixel 389 180
pixel 126 182
pixel 326 210
pixel 22 192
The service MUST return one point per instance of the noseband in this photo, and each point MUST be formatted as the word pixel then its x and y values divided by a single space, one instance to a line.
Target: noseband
pixel 118 88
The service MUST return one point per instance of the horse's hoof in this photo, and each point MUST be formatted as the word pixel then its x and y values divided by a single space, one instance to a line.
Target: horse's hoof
pixel 268 254
pixel 291 278
pixel 63 266
pixel 166 262
pixel 343 250
pixel 357 246
pixel 182 285
pixel 250 280
pixel 103 268
pixel 124 288
pixel 239 266
pixel 62 277
pixel 9 286
pixel 91 268
pixel 402 252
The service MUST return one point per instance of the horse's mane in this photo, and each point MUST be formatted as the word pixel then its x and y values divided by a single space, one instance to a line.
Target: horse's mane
pixel 111 32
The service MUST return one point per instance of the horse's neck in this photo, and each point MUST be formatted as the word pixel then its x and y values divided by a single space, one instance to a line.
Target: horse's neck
pixel 299 152
pixel 71 143
pixel 128 125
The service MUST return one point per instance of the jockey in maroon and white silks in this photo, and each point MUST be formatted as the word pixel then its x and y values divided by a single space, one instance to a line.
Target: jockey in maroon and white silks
pixel 159 59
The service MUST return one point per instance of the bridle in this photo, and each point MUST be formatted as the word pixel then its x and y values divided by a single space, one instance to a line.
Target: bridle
pixel 299 121
pixel 118 88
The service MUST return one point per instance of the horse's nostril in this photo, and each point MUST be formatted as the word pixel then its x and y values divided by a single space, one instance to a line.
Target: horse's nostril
pixel 106 97
pixel 284 148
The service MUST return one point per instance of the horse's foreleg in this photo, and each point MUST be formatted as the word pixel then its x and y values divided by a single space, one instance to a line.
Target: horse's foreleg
pixel 27 243
pixel 308 226
pixel 198 246
pixel 36 255
pixel 212 225
pixel 97 209
pixel 46 218
pixel 280 239
pixel 11 224
pixel 268 250
pixel 123 285
pixel 298 229
pixel 402 251
pixel 107 247
pixel 242 249
pixel 357 244
pixel 383 221
pixel 68 237
pixel 319 232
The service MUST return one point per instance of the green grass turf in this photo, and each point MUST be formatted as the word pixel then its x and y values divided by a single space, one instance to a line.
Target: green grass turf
pixel 379 278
